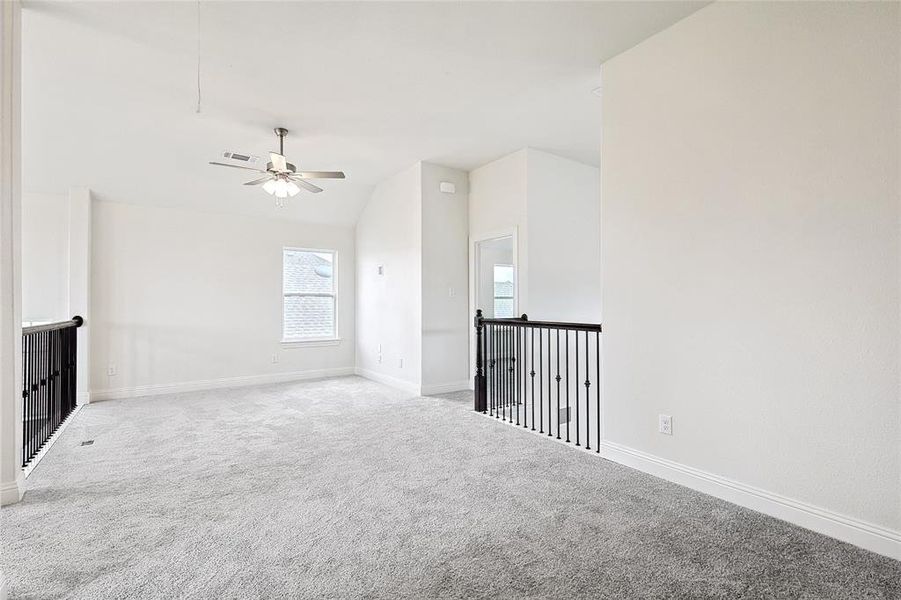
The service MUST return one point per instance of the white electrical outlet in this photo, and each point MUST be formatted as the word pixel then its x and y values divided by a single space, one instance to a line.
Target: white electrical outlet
pixel 274 358
pixel 400 363
pixel 111 370
pixel 665 424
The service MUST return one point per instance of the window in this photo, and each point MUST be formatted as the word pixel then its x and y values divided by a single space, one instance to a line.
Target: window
pixel 504 304
pixel 308 286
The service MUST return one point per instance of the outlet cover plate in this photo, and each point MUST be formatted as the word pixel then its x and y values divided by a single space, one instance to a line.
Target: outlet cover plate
pixel 665 424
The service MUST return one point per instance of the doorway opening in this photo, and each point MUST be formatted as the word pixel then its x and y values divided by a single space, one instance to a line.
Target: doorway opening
pixel 495 277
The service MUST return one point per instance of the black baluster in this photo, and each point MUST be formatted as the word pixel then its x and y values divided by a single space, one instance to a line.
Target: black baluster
pixel 48 366
pixel 498 367
pixel 33 391
pixel 495 353
pixel 54 388
pixel 502 371
pixel 512 375
pixel 45 400
pixel 46 421
pixel 61 398
pixel 508 373
pixel 488 345
pixel 517 374
pixel 577 387
pixel 32 379
pixel 498 371
pixel 501 358
pixel 587 399
pixel 532 373
pixel 549 378
pixel 504 359
pixel 496 337
pixel 540 382
pixel 42 378
pixel 566 339
pixel 558 384
pixel 524 372
pixel 597 343
pixel 26 344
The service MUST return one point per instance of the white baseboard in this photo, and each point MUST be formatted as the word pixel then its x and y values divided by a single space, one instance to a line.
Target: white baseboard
pixel 50 441
pixel 406 386
pixel 444 388
pixel 82 398
pixel 869 536
pixel 847 529
pixel 214 384
pixel 12 491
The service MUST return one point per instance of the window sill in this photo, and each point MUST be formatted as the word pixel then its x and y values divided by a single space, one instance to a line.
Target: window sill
pixel 310 343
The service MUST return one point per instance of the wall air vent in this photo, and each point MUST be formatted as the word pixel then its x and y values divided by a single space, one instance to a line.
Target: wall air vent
pixel 248 160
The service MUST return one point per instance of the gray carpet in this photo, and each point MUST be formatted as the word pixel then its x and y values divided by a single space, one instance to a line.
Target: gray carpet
pixel 348 489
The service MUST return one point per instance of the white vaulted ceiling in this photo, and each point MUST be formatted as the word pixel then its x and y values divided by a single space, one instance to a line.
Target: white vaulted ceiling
pixel 110 91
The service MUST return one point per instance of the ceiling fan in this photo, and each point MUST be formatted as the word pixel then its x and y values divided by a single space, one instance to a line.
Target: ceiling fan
pixel 282 179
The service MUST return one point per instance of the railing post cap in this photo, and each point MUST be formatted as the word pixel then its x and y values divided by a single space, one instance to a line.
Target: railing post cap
pixel 524 317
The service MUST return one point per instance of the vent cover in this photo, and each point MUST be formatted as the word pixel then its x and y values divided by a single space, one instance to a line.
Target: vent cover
pixel 240 159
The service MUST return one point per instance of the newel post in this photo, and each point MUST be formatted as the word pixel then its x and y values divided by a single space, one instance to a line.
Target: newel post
pixel 480 383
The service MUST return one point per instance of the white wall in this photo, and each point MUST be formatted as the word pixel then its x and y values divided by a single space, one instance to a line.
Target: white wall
pixel 389 306
pixel 45 257
pixel 56 267
pixel 552 204
pixel 184 299
pixel 79 282
pixel 416 311
pixel 751 250
pixel 497 206
pixel 564 246
pixel 445 280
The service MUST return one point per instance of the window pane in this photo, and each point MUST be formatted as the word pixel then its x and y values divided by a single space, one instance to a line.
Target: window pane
pixel 504 288
pixel 308 272
pixel 503 308
pixel 309 316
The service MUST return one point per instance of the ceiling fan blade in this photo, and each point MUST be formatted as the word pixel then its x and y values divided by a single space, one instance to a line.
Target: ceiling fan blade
pixel 236 167
pixel 259 181
pixel 278 162
pixel 320 174
pixel 306 185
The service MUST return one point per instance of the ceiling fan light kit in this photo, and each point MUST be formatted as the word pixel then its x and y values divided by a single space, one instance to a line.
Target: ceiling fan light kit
pixel 281 178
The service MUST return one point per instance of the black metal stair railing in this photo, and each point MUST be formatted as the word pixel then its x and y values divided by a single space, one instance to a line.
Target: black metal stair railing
pixel 49 361
pixel 523 373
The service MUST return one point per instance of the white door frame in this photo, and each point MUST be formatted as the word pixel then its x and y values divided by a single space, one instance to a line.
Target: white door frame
pixel 474 241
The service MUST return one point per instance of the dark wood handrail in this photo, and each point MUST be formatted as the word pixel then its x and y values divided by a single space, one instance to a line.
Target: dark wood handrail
pixel 523 321
pixel 75 321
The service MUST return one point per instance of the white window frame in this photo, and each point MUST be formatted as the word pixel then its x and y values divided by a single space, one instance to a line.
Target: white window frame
pixel 313 341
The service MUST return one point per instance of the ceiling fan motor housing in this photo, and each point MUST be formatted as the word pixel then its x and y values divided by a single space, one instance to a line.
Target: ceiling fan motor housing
pixel 271 168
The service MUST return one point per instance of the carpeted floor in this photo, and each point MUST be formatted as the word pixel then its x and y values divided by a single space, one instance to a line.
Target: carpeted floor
pixel 348 489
